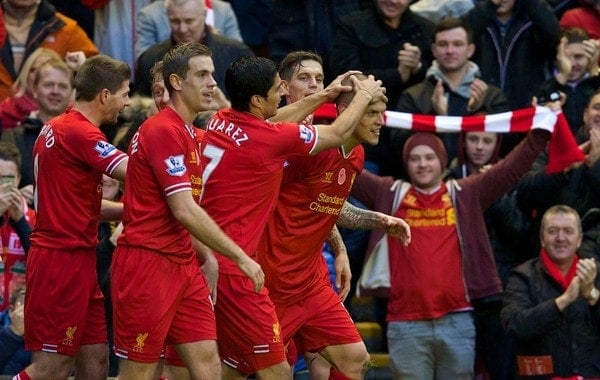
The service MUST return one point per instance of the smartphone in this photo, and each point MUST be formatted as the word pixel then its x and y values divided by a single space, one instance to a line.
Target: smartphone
pixel 544 98
pixel 7 182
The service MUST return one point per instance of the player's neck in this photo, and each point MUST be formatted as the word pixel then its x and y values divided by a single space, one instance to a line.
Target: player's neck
pixel 185 113
pixel 348 146
pixel 89 111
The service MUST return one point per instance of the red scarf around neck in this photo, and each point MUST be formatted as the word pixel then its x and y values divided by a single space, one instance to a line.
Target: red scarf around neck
pixel 555 272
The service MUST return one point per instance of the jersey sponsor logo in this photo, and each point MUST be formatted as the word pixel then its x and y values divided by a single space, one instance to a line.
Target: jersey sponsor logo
pixel 69 333
pixel 435 216
pixel 276 332
pixel 175 165
pixel 327 204
pixel 342 176
pixel 193 158
pixel 105 149
pixel 306 134
pixel 140 342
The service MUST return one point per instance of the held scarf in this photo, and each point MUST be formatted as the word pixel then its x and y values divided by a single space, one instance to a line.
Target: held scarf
pixel 562 149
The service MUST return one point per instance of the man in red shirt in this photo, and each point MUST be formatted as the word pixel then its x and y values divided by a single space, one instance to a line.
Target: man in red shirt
pixel 160 297
pixel 66 326
pixel 243 157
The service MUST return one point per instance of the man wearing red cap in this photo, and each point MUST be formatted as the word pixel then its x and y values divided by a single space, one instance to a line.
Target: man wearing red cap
pixel 449 263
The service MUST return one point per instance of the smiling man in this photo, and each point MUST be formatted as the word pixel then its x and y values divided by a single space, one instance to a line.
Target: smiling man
pixel 449 263
pixel 53 91
pixel 187 21
pixel 559 291
pixel 452 86
pixel 70 156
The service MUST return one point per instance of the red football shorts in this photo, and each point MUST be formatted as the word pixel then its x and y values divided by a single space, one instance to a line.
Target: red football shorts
pixel 64 307
pixel 156 302
pixel 250 337
pixel 317 321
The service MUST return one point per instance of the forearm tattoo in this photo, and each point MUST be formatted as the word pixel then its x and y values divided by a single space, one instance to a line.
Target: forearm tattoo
pixel 356 218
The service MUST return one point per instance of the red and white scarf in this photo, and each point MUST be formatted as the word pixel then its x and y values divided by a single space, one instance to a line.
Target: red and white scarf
pixel 562 150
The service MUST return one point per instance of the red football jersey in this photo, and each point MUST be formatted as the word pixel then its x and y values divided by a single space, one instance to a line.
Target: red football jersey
pixel 69 157
pixel 312 194
pixel 163 161
pixel 243 159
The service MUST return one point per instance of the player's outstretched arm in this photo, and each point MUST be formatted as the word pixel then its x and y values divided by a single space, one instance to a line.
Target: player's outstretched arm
pixel 204 228
pixel 360 219
pixel 299 110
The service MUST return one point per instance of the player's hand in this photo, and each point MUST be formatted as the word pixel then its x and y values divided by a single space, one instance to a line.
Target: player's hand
pixel 335 88
pixel 373 87
pixel 343 275
pixel 210 270
pixel 398 229
pixel 253 270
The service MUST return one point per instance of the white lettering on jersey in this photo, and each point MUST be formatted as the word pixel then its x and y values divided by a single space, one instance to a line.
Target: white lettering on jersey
pixel 175 165
pixel 134 142
pixel 48 134
pixel 237 134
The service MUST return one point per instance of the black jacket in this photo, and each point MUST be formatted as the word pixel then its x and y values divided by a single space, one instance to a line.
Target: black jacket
pixel 571 337
pixel 363 42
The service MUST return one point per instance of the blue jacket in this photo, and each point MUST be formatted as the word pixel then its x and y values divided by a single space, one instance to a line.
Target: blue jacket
pixel 13 357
